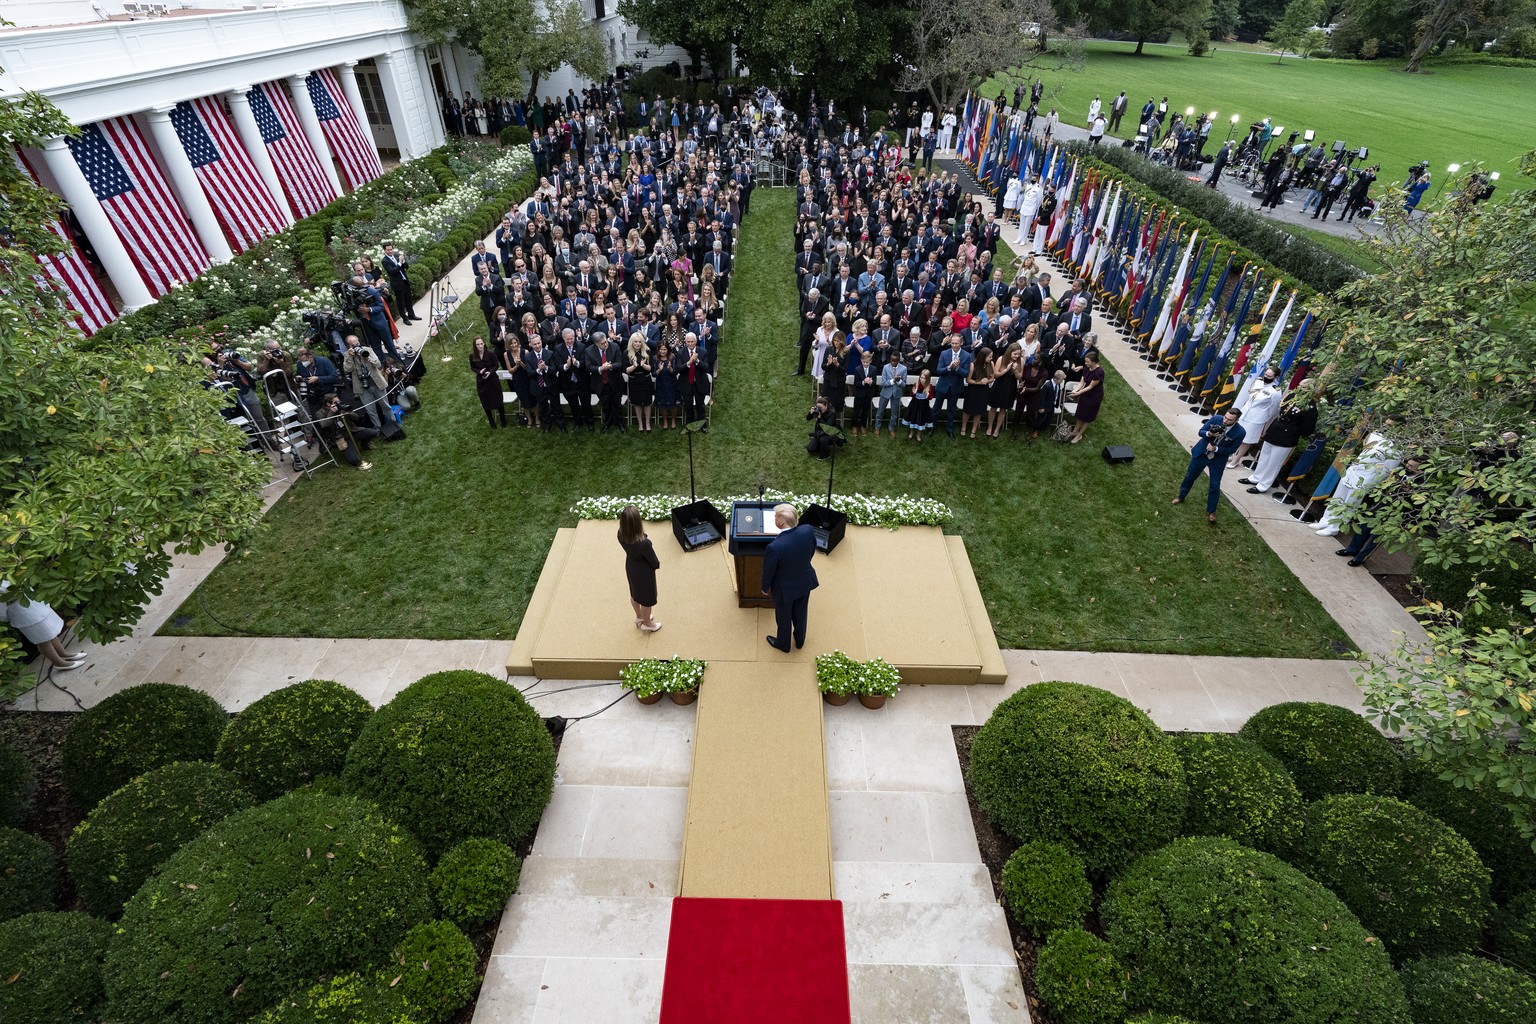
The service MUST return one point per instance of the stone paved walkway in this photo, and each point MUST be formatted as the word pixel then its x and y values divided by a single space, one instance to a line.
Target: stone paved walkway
pixel 585 937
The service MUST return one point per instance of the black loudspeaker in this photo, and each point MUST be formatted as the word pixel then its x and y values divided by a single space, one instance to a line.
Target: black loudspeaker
pixel 1119 454
pixel 697 524
pixel 828 524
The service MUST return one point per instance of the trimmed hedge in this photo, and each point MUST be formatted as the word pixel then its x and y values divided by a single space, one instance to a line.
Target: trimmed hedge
pixel 1327 749
pixel 1306 261
pixel 430 975
pixel 515 135
pixel 474 880
pixel 293 736
pixel 135 731
pixel 1046 887
pixel 1466 989
pixel 1514 931
pixel 52 968
pixel 29 874
pixel 456 755
pixel 1239 790
pixel 261 904
pixel 1080 980
pixel 1079 765
pixel 120 843
pixel 1231 935
pixel 1409 877
pixel 18 786
pixel 1482 817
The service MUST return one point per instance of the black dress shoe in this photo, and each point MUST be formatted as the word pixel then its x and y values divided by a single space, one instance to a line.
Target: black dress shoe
pixel 1253 490
pixel 774 643
pixel 1343 551
pixel 798 373
pixel 1357 561
pixel 1246 480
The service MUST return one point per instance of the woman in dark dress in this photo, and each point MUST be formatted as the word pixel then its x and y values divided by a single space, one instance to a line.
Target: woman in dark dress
pixel 484 364
pixel 1089 394
pixel 1032 398
pixel 974 408
pixel 640 565
pixel 1005 385
pixel 642 391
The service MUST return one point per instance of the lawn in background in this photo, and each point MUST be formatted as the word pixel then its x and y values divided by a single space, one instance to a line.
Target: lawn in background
pixel 1450 114
pixel 446 536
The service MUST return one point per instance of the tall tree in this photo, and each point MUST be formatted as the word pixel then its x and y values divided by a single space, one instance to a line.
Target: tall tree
pixel 1290 32
pixel 1140 19
pixel 111 457
pixel 513 38
pixel 1437 20
pixel 953 46
pixel 1437 341
pixel 673 24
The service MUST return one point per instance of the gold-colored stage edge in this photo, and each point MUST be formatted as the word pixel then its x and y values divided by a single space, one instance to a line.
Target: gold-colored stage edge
pixel 907 595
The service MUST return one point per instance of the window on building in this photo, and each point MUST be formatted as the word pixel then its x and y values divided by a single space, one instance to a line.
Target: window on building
pixel 599 10
pixel 373 93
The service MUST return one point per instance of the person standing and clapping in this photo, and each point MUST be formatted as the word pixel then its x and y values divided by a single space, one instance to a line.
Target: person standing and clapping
pixel 640 565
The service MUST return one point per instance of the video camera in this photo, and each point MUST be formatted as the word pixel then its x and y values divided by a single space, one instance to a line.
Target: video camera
pixel 328 329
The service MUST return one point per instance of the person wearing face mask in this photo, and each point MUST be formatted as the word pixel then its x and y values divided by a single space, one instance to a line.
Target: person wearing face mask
pixel 1264 397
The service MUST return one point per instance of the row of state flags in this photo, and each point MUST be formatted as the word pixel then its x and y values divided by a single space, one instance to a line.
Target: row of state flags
pixel 1139 258
pixel 122 170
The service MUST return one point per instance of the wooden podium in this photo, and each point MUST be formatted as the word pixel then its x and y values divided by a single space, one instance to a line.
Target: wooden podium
pixel 752 527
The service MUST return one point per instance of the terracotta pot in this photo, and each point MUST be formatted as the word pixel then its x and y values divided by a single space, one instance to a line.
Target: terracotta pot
pixel 685 698
pixel 654 698
pixel 837 700
pixel 871 700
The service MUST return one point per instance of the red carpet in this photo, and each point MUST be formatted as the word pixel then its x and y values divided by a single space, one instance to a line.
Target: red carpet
pixel 734 961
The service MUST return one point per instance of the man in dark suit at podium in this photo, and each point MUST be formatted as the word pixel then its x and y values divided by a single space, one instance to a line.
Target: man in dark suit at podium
pixel 788 576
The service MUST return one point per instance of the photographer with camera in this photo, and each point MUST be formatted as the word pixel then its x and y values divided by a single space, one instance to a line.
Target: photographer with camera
pixel 343 431
pixel 395 267
pixel 315 376
pixel 228 366
pixel 369 387
pixel 368 303
pixel 821 443
pixel 1220 437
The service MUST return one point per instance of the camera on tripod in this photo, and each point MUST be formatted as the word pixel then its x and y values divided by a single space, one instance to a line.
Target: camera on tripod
pixel 328 329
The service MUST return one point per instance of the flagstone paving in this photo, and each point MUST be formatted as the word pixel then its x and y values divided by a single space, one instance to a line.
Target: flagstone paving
pixel 585 937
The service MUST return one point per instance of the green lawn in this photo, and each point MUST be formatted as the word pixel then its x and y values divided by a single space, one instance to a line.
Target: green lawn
pixel 1454 114
pixel 446 537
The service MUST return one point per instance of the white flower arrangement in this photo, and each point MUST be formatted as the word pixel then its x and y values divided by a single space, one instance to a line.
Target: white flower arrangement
pixel 861 509
pixel 840 675
pixel 420 230
pixel 650 676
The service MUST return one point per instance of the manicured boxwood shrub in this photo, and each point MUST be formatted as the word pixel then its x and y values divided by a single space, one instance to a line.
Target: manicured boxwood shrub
pixel 259 905
pixel 29 874
pixel 292 736
pixel 1080 980
pixel 1409 877
pixel 1465 989
pixel 18 786
pixel 50 968
pixel 1326 748
pixel 456 755
pixel 1239 790
pixel 473 881
pixel 1231 935
pixel 1075 764
pixel 515 135
pixel 135 730
pixel 1046 887
pixel 1514 931
pixel 427 978
pixel 136 828
pixel 1483 818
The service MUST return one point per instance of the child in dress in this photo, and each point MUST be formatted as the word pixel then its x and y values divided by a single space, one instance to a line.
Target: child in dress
pixel 920 410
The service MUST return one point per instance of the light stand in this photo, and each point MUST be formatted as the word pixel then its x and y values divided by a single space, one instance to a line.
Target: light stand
pixel 827 523
pixel 439 307
pixel 698 523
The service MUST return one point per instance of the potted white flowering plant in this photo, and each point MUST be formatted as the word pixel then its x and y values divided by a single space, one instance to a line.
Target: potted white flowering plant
pixel 649 678
pixel 836 677
pixel 876 681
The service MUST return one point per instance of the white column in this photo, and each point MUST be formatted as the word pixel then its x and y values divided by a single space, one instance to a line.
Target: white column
pixel 395 72
pixel 427 90
pixel 188 189
pixel 93 219
pixel 250 135
pixel 355 97
pixel 305 108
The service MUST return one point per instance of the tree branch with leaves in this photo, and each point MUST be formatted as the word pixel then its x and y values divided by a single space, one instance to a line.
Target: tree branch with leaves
pixel 953 46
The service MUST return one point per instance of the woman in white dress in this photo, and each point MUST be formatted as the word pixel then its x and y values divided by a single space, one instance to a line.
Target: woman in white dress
pixel 42 626
pixel 820 345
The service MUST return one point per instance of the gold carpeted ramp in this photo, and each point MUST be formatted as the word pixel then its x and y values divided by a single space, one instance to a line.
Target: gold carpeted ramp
pixel 905 595
pixel 757 797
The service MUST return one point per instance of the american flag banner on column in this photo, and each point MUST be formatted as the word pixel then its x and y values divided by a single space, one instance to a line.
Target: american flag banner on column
pixel 116 162
pixel 239 197
pixel 69 272
pixel 297 165
pixel 351 144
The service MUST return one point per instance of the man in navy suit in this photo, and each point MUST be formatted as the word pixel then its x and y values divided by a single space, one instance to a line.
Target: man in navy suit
pixel 788 576
pixel 1219 438
pixel 954 367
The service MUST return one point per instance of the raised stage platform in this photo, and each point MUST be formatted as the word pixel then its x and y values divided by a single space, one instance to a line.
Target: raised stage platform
pixel 908 596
